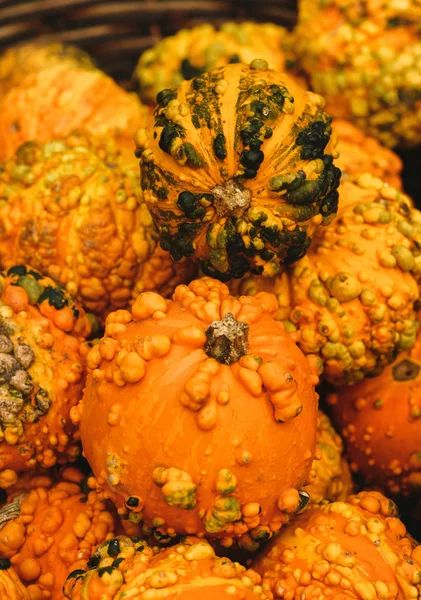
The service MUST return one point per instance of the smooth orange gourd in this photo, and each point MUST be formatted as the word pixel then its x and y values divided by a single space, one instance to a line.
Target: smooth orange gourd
pixel 73 208
pixel 11 588
pixel 358 549
pixel 237 170
pixel 125 568
pixel 199 414
pixel 50 528
pixel 380 421
pixel 19 61
pixel 51 103
pixel 41 371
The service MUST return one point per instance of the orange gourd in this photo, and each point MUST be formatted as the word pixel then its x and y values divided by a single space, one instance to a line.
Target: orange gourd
pixel 50 528
pixel 190 408
pixel 380 421
pixel 358 549
pixel 237 170
pixel 73 208
pixel 19 61
pixel 359 153
pixel 363 57
pixel 11 587
pixel 125 568
pixel 41 371
pixel 51 103
pixel 330 471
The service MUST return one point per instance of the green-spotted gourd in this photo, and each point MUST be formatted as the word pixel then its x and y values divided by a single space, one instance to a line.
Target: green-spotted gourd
pixel 237 170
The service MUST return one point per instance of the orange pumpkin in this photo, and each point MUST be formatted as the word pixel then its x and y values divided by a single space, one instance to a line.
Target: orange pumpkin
pixel 51 528
pixel 190 408
pixel 11 587
pixel 74 210
pixel 380 420
pixel 124 568
pixel 41 371
pixel 357 549
pixel 363 57
pixel 237 170
pixel 360 153
pixel 49 104
pixel 18 61
pixel 330 471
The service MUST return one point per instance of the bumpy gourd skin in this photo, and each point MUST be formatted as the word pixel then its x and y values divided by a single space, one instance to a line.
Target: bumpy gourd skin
pixel 52 528
pixel 78 216
pixel 126 568
pixel 41 372
pixel 356 549
pixel 360 153
pixel 51 103
pixel 11 588
pixel 192 52
pixel 190 407
pixel 352 296
pixel 330 471
pixel 234 170
pixel 19 61
pixel 364 57
pixel 380 420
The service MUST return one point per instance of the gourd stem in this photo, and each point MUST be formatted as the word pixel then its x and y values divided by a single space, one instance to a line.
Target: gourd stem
pixel 231 198
pixel 11 510
pixel 227 340
pixel 406 370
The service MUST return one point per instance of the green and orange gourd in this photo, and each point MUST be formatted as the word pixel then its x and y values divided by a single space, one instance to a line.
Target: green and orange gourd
pixel 41 372
pixel 237 170
pixel 358 549
pixel 190 407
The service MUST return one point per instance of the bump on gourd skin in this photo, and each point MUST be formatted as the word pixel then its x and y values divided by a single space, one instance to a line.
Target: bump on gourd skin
pixel 364 57
pixel 343 550
pixel 234 170
pixel 21 60
pixel 380 421
pixel 55 531
pixel 359 153
pixel 75 211
pixel 11 588
pixel 41 371
pixel 330 471
pixel 352 296
pixel 151 370
pixel 51 103
pixel 192 52
pixel 188 570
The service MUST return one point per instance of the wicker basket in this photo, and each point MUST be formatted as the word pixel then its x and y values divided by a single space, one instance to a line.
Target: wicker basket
pixel 115 33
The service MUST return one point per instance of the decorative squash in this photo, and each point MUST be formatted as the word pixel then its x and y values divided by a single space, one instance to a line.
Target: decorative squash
pixel 364 58
pixel 22 60
pixel 125 568
pixel 51 530
pixel 192 52
pixel 332 477
pixel 11 587
pixel 234 170
pixel 356 549
pixel 352 296
pixel 360 153
pixel 78 216
pixel 380 420
pixel 51 103
pixel 41 371
pixel 190 408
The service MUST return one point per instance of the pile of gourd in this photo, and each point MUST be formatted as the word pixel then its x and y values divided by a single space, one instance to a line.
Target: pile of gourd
pixel 163 329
